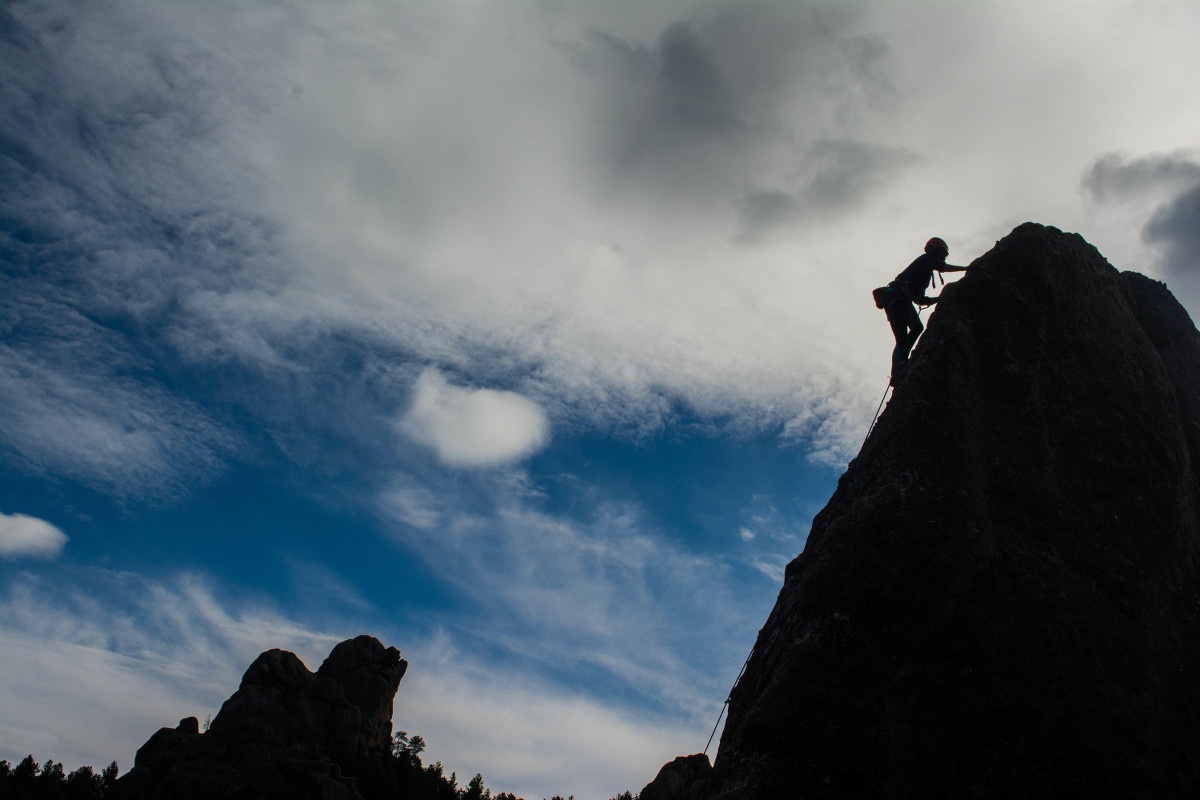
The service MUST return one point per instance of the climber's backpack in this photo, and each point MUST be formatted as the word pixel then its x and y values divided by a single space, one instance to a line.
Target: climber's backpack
pixel 882 296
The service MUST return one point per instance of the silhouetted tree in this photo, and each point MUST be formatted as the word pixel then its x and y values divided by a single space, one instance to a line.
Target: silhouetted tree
pixel 475 790
pixel 28 781
pixel 27 770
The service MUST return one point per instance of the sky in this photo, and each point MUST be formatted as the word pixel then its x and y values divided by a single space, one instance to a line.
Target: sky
pixel 526 336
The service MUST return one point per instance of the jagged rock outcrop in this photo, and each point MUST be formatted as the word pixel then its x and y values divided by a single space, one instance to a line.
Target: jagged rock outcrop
pixel 285 733
pixel 1002 597
pixel 681 779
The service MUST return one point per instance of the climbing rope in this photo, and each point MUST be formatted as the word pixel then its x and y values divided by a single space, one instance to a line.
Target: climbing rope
pixel 727 697
pixel 883 399
pixel 886 389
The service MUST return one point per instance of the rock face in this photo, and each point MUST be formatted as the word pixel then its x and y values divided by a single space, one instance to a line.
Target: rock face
pixel 1002 597
pixel 286 732
pixel 682 779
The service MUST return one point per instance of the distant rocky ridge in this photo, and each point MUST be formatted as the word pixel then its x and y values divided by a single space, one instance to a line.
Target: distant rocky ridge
pixel 285 733
pixel 1002 597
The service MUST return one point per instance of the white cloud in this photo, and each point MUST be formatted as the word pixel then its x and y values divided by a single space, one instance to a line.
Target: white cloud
pixel 22 536
pixel 85 421
pixel 473 427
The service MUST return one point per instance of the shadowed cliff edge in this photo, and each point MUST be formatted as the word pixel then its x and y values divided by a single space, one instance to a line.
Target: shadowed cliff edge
pixel 1001 598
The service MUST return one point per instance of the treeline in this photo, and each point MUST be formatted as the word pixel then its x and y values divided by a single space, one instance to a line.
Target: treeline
pixel 402 777
pixel 29 781
pixel 405 777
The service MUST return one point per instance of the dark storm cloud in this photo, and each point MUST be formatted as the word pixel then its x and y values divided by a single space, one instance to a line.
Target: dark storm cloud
pixel 732 93
pixel 839 175
pixel 1114 177
pixel 1175 227
pixel 691 92
pixel 668 97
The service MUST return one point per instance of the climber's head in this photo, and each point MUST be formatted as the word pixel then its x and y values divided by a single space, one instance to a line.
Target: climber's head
pixel 938 247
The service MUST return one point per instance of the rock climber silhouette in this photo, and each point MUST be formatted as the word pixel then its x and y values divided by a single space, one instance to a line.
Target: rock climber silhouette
pixel 908 289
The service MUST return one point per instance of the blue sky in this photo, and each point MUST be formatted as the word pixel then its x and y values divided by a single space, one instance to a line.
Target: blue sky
pixel 527 337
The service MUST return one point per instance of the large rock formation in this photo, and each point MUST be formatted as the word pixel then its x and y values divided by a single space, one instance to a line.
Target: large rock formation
pixel 285 733
pixel 1002 598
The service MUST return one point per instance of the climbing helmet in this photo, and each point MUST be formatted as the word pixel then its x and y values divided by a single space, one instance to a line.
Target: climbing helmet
pixel 939 244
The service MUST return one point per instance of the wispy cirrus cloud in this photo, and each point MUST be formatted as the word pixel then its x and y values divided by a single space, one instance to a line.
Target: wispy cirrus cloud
pixel 554 742
pixel 110 219
pixel 600 593
pixel 94 422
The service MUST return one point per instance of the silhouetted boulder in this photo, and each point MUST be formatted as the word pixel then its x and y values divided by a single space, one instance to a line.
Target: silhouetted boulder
pixel 1002 597
pixel 285 733
pixel 681 779
pixel 167 741
pixel 370 676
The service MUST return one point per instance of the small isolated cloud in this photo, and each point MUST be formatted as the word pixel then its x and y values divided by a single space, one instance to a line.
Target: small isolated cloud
pixel 473 427
pixel 746 534
pixel 22 536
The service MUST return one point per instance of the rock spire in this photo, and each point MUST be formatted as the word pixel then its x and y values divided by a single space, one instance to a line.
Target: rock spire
pixel 1002 597
pixel 285 733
